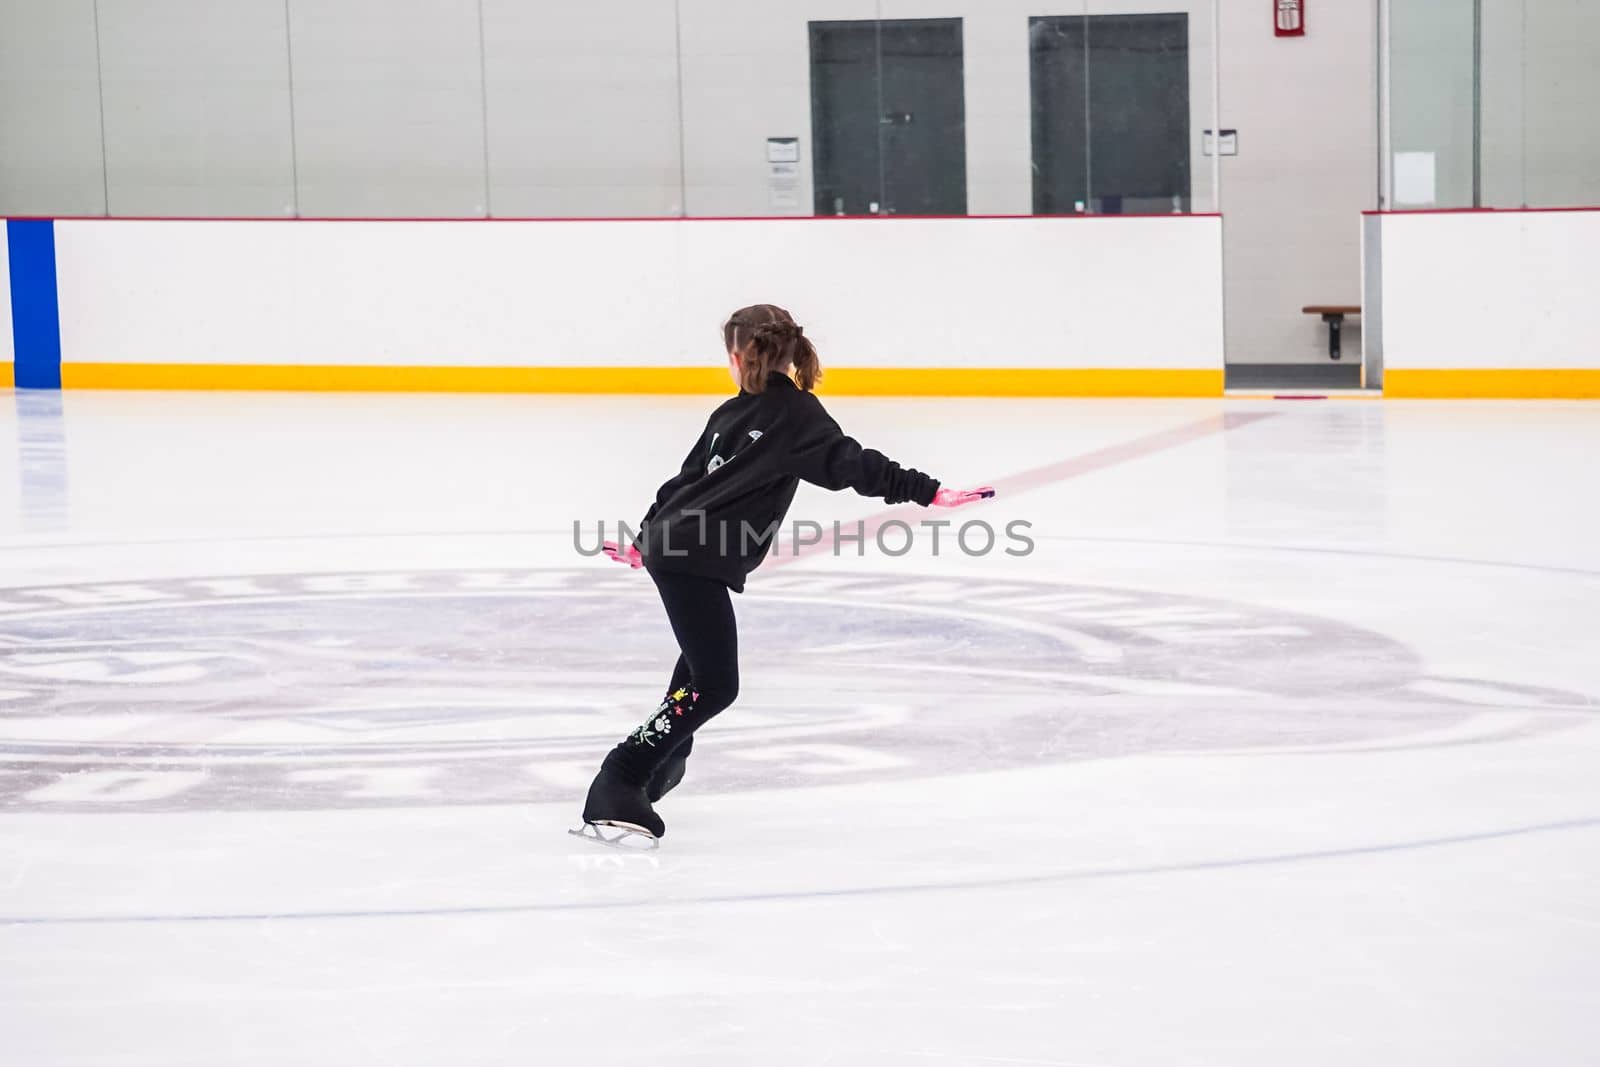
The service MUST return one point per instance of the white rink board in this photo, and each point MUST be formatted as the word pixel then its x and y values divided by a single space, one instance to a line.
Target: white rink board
pixel 1123 293
pixel 1098 293
pixel 8 350
pixel 1511 290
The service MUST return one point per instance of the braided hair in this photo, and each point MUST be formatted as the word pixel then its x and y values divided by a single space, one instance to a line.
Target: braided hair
pixel 766 338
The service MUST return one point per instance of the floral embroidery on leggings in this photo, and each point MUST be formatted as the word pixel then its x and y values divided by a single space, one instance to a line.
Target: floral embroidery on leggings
pixel 659 724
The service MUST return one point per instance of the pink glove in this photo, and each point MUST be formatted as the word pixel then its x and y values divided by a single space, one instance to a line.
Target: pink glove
pixel 629 555
pixel 954 498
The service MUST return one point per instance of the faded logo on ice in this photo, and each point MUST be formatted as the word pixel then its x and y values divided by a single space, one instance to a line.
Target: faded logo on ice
pixel 474 687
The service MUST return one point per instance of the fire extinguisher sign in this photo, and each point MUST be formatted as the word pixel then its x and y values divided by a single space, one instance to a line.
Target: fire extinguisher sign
pixel 1291 17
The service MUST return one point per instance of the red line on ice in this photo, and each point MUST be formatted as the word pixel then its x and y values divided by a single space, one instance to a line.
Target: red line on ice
pixel 1050 474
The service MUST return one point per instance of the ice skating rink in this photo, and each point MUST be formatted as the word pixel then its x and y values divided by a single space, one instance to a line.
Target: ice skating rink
pixel 1280 748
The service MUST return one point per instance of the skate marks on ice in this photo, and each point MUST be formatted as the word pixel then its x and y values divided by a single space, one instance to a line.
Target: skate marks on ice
pixel 612 861
pixel 359 689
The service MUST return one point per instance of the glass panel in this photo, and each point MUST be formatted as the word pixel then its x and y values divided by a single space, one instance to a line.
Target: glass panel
pixel 387 112
pixel 1502 129
pixel 50 150
pixel 922 126
pixel 1205 169
pixel 1431 109
pixel 1118 104
pixel 1560 93
pixel 888 117
pixel 847 158
pixel 749 137
pixel 1058 75
pixel 696 107
pixel 581 109
pixel 1492 103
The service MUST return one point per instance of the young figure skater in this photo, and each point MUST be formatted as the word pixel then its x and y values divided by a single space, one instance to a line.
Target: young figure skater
pixel 710 526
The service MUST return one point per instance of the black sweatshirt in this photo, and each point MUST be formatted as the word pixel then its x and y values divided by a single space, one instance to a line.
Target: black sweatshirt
pixel 716 517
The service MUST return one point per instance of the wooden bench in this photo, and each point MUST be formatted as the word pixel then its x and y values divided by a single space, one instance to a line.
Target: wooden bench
pixel 1333 315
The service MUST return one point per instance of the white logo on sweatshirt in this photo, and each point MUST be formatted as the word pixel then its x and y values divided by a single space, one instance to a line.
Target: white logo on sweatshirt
pixel 717 461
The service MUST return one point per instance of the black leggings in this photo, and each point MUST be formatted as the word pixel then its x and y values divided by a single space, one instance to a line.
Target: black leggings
pixel 707 673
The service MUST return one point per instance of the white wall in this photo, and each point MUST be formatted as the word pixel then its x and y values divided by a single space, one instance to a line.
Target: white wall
pixel 1491 291
pixel 1305 109
pixel 873 293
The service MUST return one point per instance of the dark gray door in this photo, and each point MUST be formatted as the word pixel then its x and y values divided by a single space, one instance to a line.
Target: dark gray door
pixel 888 117
pixel 1110 113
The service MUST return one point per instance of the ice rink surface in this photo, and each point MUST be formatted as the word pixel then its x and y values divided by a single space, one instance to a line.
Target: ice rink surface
pixel 1281 747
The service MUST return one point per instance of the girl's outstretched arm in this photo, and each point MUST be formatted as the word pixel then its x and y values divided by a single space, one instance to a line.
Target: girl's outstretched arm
pixel 824 455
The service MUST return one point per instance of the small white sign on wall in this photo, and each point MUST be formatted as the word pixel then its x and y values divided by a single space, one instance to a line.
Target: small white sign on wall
pixel 783 172
pixel 1230 143
pixel 783 149
pixel 1415 179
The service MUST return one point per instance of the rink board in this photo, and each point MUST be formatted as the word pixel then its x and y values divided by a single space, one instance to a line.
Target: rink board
pixel 1024 306
pixel 1489 304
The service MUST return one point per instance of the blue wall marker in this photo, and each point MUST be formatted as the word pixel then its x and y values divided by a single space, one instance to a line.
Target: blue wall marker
pixel 35 314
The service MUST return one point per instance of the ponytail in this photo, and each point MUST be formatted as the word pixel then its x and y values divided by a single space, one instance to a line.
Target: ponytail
pixel 767 339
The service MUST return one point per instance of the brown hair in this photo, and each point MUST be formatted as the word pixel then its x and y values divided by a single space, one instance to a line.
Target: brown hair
pixel 767 339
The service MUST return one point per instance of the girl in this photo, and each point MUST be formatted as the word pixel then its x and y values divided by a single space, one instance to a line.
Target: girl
pixel 710 526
